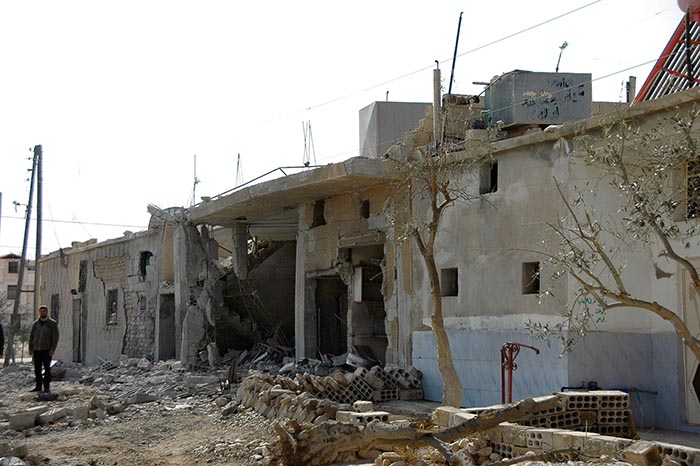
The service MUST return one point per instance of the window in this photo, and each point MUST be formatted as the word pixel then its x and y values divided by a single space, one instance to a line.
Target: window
pixel 144 261
pixel 55 305
pixel 112 306
pixel 364 209
pixel 82 276
pixel 531 278
pixel 488 178
pixel 448 282
pixel 11 292
pixel 319 215
pixel 13 267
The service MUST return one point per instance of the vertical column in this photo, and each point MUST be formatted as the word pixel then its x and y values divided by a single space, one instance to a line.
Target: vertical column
pixel 239 236
pixel 181 284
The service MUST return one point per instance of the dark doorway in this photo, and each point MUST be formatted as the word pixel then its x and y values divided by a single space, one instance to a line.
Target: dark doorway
pixel 331 317
pixel 79 320
pixel 166 327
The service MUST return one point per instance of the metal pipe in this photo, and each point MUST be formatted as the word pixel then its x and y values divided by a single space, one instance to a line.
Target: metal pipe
pixel 509 352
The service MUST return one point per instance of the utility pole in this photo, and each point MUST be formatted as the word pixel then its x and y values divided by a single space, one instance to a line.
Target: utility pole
pixel 14 320
pixel 38 154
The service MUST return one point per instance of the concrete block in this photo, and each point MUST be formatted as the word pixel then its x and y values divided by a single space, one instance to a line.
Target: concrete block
pixel 540 439
pixel 623 431
pixel 81 412
pixel 361 418
pixel 681 454
pixel 642 453
pixel 441 415
pixel 514 434
pixel 387 394
pixel 26 419
pixel 52 415
pixel 613 416
pixel 21 421
pixel 460 418
pixel 411 394
pixel 363 406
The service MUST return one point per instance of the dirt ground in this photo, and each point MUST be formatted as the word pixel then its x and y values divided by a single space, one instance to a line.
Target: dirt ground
pixel 185 429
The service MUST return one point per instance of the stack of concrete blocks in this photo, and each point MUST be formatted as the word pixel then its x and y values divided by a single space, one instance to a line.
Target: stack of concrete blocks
pixel 579 423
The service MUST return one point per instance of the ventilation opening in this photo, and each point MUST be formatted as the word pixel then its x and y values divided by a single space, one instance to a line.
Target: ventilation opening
pixel 449 282
pixel 488 178
pixel 531 278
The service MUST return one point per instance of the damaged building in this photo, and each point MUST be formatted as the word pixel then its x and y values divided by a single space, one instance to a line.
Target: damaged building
pixel 310 262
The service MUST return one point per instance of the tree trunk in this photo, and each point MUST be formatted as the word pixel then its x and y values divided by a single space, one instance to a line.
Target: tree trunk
pixel 452 391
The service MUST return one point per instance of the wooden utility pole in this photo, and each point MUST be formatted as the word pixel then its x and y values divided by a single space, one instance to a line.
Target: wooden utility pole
pixel 15 320
pixel 38 154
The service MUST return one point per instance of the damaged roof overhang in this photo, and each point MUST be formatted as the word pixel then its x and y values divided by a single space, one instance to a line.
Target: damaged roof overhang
pixel 270 208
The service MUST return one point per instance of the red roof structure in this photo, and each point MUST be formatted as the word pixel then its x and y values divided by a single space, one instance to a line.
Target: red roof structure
pixel 677 68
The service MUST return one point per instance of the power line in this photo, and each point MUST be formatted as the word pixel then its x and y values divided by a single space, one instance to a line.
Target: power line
pixel 79 222
pixel 509 36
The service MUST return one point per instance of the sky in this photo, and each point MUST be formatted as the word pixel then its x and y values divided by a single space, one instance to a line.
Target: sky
pixel 123 96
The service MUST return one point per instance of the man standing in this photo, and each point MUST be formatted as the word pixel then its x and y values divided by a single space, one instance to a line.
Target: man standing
pixel 43 339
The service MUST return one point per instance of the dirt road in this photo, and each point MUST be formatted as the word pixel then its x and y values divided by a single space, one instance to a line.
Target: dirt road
pixel 184 428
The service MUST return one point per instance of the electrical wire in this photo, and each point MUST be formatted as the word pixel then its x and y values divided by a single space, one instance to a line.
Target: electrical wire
pixel 78 222
pixel 509 36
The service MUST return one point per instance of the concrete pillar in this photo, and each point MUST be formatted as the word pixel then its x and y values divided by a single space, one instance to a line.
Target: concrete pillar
pixel 181 283
pixel 304 299
pixel 239 254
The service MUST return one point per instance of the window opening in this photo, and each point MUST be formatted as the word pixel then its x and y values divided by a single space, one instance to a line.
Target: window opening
pixel 82 276
pixel 144 262
pixel 55 306
pixel 531 278
pixel 11 292
pixel 112 306
pixel 449 282
pixel 488 178
pixel 364 209
pixel 319 214
pixel 13 267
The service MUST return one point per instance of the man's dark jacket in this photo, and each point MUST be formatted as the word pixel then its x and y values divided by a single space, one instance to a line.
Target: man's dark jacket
pixel 44 335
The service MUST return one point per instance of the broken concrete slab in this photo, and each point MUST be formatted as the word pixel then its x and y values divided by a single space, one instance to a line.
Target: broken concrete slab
pixel 52 416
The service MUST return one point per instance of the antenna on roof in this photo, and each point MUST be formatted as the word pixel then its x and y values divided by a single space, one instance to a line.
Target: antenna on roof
pixel 561 50
pixel 196 181
pixel 309 148
pixel 239 171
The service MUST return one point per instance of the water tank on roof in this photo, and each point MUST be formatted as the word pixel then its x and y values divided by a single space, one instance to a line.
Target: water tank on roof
pixel 528 98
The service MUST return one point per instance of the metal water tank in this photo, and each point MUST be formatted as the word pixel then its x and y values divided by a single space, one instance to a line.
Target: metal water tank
pixel 530 98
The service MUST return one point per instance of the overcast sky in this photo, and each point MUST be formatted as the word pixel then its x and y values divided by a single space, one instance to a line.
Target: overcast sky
pixel 122 95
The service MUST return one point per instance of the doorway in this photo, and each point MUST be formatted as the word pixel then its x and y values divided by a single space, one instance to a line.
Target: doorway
pixel 79 330
pixel 166 327
pixel 331 315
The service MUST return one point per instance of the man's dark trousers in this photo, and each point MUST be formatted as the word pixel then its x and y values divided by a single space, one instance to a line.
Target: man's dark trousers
pixel 42 358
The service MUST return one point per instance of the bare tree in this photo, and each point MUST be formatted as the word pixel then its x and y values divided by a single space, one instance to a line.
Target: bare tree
pixel 653 174
pixel 430 180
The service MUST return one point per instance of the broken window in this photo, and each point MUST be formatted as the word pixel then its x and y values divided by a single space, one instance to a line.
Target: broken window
pixel 82 276
pixel 319 215
pixel 488 178
pixel 693 189
pixel 449 282
pixel 144 262
pixel 364 209
pixel 11 292
pixel 55 306
pixel 531 277
pixel 13 267
pixel 112 306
